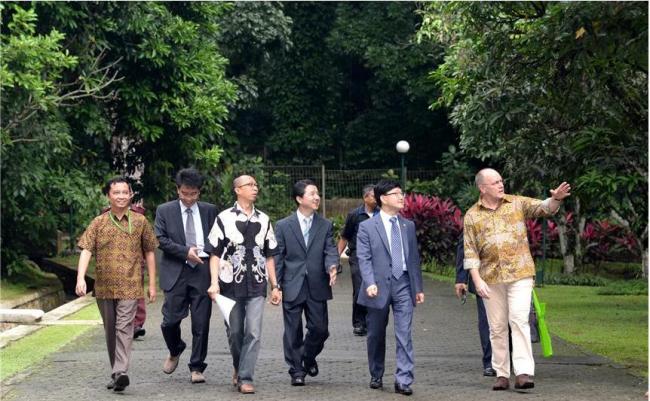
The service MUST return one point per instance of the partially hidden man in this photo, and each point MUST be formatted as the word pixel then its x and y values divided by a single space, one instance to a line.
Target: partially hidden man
pixel 118 239
pixel 306 267
pixel 349 238
pixel 182 227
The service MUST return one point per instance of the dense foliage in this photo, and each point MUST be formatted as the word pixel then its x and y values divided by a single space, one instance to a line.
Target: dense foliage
pixel 96 89
pixel 553 92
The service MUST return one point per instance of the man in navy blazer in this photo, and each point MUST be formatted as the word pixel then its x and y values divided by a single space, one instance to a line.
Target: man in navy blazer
pixel 388 256
pixel 306 266
pixel 182 227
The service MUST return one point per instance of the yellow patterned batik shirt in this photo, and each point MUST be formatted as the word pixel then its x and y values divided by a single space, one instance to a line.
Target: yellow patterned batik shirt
pixel 496 241
pixel 118 254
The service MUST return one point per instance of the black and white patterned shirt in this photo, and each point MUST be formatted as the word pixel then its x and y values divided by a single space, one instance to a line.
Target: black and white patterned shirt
pixel 242 244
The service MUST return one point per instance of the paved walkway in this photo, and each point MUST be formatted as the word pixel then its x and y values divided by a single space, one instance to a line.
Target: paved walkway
pixel 447 360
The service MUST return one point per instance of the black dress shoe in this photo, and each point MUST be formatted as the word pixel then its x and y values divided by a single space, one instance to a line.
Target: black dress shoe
pixel 489 372
pixel 376 383
pixel 121 382
pixel 403 389
pixel 297 381
pixel 312 370
pixel 139 332
pixel 359 331
pixel 110 384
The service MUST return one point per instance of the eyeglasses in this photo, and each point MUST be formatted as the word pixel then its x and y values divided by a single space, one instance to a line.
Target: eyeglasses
pixel 249 184
pixel 399 194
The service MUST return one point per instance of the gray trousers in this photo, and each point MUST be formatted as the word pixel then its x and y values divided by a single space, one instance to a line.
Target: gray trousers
pixel 244 336
pixel 117 315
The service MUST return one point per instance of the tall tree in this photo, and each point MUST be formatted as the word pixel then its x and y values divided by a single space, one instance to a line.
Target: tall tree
pixel 343 88
pixel 554 91
pixel 150 95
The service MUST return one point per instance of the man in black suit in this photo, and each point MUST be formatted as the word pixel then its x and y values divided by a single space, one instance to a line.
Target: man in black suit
pixel 306 266
pixel 182 228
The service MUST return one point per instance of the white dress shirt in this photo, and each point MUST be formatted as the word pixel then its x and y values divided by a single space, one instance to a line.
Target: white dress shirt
pixel 198 227
pixel 388 226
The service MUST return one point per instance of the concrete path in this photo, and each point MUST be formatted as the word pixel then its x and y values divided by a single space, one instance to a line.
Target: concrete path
pixel 447 360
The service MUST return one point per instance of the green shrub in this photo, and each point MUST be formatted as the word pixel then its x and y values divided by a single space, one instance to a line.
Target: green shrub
pixel 433 266
pixel 588 280
pixel 630 287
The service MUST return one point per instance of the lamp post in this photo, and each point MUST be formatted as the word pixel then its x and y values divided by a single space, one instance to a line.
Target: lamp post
pixel 403 147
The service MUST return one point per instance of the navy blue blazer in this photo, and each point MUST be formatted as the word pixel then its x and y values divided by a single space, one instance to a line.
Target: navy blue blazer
pixel 373 252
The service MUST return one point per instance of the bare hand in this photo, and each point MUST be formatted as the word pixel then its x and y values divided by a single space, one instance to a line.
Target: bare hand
pixel 193 256
pixel 80 289
pixel 561 192
pixel 419 298
pixel 333 276
pixel 276 296
pixel 372 291
pixel 482 289
pixel 213 290
pixel 460 289
pixel 151 292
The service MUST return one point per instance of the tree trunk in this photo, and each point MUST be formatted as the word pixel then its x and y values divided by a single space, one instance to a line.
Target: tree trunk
pixel 569 266
pixel 579 223
pixel 644 263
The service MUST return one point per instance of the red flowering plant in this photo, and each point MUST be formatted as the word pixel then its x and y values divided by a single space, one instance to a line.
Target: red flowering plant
pixel 438 224
pixel 607 241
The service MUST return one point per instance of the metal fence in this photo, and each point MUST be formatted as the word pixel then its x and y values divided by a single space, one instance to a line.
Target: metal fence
pixel 335 185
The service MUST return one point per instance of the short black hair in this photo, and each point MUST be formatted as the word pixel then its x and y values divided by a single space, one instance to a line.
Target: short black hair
pixel 189 177
pixel 367 188
pixel 113 181
pixel 299 188
pixel 382 188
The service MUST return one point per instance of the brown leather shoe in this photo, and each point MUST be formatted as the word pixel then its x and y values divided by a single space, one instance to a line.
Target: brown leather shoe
pixel 197 377
pixel 246 388
pixel 170 364
pixel 502 383
pixel 235 379
pixel 523 382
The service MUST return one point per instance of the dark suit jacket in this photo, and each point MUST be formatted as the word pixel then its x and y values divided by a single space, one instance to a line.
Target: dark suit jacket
pixel 373 252
pixel 295 261
pixel 462 275
pixel 171 235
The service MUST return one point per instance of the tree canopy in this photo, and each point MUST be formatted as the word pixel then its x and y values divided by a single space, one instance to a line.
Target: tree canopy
pixel 552 91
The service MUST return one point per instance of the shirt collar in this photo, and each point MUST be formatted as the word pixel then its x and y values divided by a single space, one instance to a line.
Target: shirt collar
pixel 386 217
pixel 302 217
pixel 506 198
pixel 194 207
pixel 238 209
pixel 362 210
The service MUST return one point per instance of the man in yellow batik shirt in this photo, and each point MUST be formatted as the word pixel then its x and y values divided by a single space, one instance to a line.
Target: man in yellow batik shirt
pixel 502 268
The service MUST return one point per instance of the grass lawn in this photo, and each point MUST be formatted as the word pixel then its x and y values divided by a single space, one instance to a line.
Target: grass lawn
pixel 610 325
pixel 33 348
pixel 29 279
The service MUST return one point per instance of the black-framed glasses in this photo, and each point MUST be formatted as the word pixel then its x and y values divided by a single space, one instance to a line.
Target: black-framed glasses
pixel 398 194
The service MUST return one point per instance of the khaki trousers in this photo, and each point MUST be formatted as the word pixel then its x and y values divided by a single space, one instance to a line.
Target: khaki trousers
pixel 117 315
pixel 509 304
